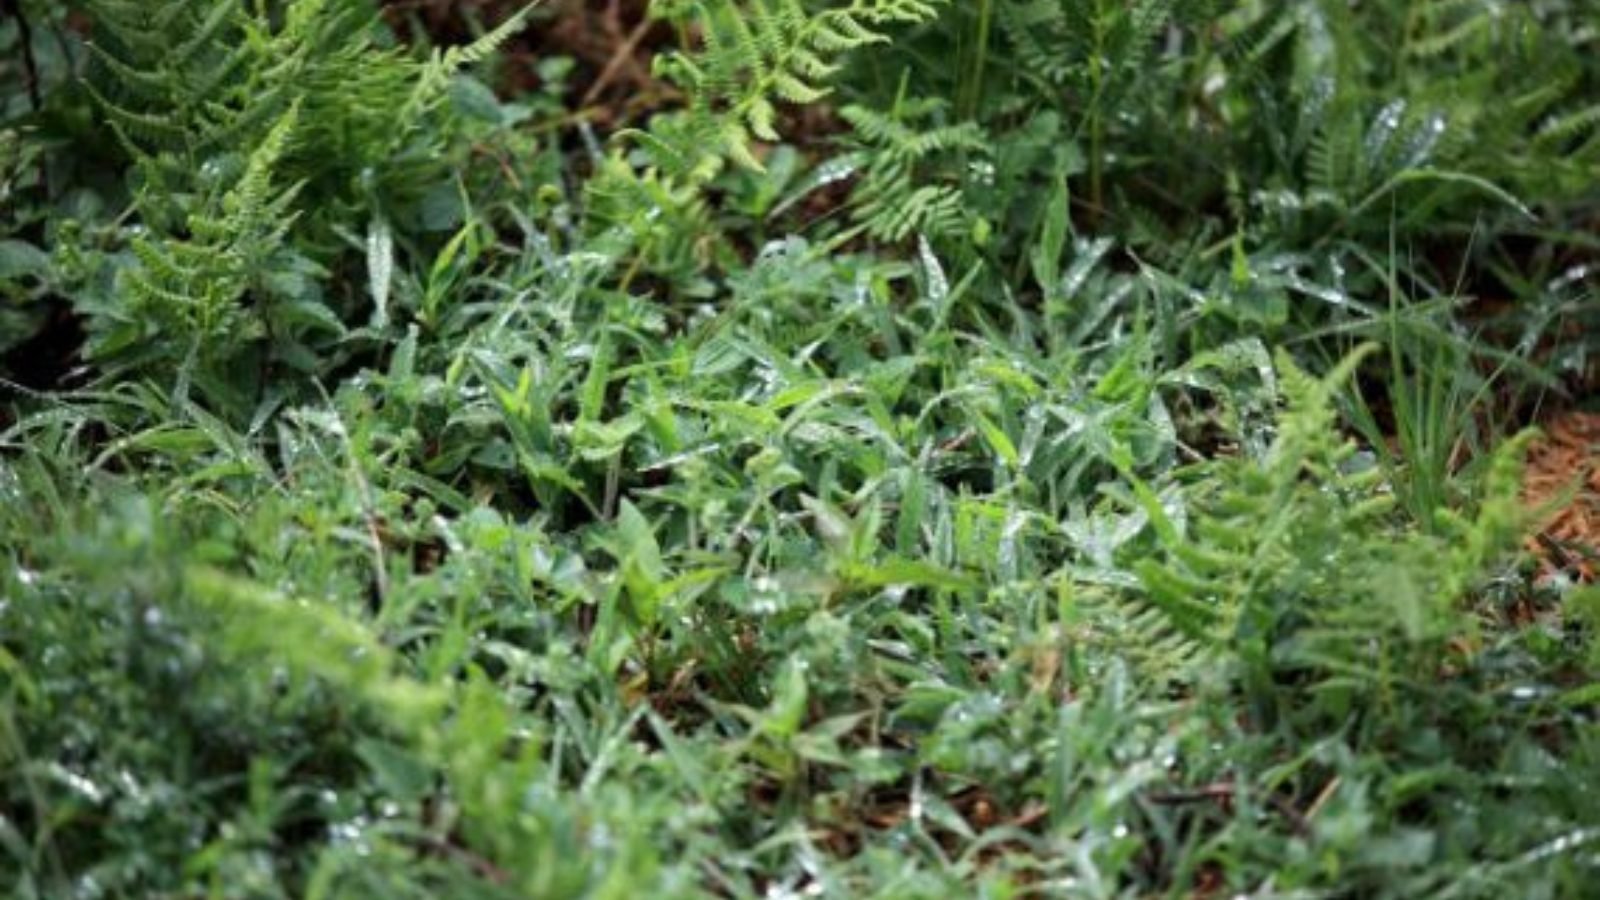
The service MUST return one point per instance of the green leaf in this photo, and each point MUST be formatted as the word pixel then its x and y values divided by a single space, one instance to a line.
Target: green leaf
pixel 998 441
pixel 380 268
pixel 20 259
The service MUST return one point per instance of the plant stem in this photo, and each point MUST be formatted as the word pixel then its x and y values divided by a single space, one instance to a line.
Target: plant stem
pixel 972 90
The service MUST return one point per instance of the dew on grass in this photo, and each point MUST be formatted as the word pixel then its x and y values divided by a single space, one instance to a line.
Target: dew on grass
pixel 351 833
pixel 79 785
pixel 1086 256
pixel 781 892
pixel 834 171
pixel 1280 200
pixel 1383 128
pixel 88 887
pixel 1331 296
pixel 1424 141
pixel 132 791
pixel 938 282
pixel 1566 843
pixel 1572 276
pixel 1525 693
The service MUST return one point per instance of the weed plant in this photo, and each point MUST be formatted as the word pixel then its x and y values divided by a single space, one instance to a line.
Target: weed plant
pixel 1008 448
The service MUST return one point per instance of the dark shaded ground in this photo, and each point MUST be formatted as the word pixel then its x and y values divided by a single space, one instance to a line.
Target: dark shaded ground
pixel 611 41
pixel 1564 476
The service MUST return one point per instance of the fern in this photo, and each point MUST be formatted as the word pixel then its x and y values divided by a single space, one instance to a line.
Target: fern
pixel 1293 561
pixel 1099 47
pixel 912 182
pixel 754 55
pixel 1036 29
pixel 231 113
pixel 192 286
pixel 236 72
pixel 1140 633
pixel 1493 120
pixel 667 224
pixel 1441 27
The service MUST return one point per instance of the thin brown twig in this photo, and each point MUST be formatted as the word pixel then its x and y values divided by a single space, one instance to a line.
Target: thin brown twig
pixel 621 58
pixel 1322 798
pixel 479 865
pixel 1227 791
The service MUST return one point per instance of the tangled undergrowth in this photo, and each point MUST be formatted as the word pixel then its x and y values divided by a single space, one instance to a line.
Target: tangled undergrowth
pixel 780 448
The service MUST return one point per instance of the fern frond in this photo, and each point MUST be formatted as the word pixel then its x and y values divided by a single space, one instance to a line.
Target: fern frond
pixel 1447 26
pixel 755 54
pixel 1289 560
pixel 1569 126
pixel 434 76
pixel 913 182
pixel 190 287
pixel 1141 633
pixel 1038 30
pixel 227 110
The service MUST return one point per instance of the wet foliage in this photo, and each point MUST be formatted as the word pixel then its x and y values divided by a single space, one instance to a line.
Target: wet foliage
pixel 782 448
